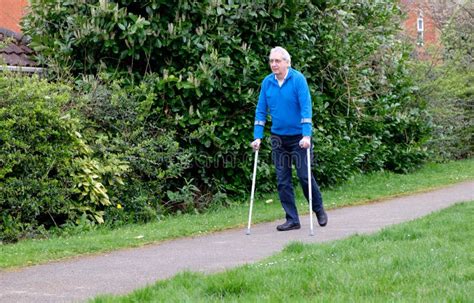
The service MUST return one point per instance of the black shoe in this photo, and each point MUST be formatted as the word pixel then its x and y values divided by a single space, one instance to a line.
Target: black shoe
pixel 322 217
pixel 288 226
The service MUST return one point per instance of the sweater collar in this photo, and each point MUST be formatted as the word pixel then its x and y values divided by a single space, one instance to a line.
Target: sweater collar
pixel 287 76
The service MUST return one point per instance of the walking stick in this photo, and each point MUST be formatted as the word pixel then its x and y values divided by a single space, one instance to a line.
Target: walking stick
pixel 252 193
pixel 310 193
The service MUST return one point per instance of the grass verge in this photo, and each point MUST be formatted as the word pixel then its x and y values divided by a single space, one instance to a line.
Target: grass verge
pixel 360 189
pixel 427 260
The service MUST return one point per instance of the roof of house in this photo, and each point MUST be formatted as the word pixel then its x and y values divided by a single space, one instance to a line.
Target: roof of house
pixel 16 52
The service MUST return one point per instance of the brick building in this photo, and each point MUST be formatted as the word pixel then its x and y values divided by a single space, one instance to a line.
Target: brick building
pixel 420 26
pixel 15 55
pixel 11 12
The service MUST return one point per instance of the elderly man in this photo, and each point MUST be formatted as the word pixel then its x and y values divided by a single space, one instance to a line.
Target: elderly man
pixel 285 95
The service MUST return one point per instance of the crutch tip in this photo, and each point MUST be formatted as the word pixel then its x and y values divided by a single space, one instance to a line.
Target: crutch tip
pixel 248 232
pixel 311 234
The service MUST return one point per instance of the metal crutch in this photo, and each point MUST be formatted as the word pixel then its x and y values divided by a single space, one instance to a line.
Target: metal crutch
pixel 310 193
pixel 252 194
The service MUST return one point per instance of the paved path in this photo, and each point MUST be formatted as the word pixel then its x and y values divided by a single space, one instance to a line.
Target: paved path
pixel 122 271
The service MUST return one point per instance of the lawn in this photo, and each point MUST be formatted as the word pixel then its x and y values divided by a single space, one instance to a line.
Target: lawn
pixel 360 189
pixel 427 260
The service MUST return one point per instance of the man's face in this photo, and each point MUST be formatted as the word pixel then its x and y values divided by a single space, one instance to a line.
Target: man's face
pixel 278 65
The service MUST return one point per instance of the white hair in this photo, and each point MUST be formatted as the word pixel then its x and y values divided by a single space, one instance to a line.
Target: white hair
pixel 283 52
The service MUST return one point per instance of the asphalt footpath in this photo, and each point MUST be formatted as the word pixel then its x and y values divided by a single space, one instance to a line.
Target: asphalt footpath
pixel 120 272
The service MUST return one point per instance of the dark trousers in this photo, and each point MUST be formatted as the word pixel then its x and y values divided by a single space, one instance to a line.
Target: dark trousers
pixel 285 152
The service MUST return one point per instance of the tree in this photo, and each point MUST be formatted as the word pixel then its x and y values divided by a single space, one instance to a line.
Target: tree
pixel 445 82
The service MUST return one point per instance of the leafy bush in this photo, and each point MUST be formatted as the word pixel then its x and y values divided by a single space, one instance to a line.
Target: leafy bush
pixel 445 82
pixel 37 148
pixel 119 123
pixel 47 175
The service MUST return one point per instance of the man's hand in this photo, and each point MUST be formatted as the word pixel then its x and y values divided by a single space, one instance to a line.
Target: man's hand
pixel 256 144
pixel 305 142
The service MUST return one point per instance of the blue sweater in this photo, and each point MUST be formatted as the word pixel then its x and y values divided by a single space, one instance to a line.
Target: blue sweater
pixel 288 105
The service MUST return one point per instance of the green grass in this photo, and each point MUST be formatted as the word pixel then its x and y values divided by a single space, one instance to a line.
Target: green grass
pixel 361 189
pixel 427 260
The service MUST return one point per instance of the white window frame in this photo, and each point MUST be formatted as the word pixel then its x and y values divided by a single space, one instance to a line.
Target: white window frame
pixel 418 22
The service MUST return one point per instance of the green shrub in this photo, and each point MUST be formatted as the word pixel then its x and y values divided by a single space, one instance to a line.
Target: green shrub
pixel 445 82
pixel 47 175
pixel 37 145
pixel 449 96
pixel 190 73
pixel 121 126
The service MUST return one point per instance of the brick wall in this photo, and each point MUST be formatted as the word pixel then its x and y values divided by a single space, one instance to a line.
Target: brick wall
pixel 416 9
pixel 11 12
